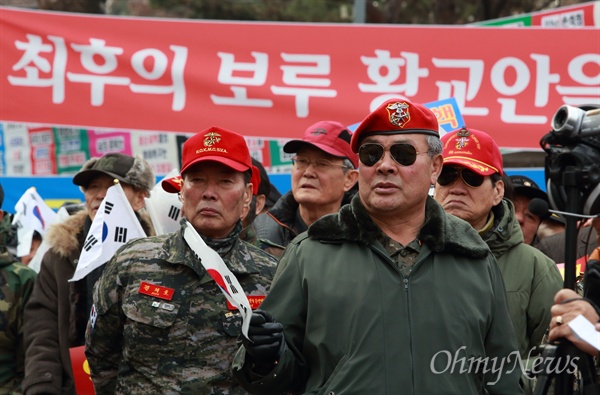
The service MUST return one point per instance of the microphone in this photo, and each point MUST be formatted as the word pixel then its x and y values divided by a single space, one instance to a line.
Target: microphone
pixel 541 208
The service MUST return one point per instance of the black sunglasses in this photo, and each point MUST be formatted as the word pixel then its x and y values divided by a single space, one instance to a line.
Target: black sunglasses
pixel 449 174
pixel 403 154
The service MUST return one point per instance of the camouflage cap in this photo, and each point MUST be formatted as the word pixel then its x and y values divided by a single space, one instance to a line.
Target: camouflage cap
pixel 134 171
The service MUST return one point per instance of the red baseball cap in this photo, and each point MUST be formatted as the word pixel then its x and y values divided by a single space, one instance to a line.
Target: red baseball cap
pixel 396 116
pixel 329 136
pixel 473 149
pixel 172 185
pixel 218 145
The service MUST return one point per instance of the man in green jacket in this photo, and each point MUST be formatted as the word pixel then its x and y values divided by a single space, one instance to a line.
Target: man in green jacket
pixel 530 277
pixel 390 295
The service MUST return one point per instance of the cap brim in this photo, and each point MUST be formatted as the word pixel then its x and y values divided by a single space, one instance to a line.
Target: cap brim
pixel 556 218
pixel 291 147
pixel 237 166
pixel 83 178
pixel 530 192
pixel 169 185
pixel 478 167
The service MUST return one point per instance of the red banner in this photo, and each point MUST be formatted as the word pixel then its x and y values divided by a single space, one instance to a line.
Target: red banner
pixel 275 79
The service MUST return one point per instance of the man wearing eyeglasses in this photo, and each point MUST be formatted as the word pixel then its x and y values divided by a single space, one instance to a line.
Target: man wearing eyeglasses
pixel 323 172
pixel 470 187
pixel 386 295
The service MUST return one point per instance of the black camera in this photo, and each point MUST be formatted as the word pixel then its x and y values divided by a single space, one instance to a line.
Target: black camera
pixel 573 158
pixel 574 122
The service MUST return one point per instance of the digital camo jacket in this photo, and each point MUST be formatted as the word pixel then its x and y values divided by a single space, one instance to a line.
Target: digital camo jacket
pixel 180 343
pixel 16 284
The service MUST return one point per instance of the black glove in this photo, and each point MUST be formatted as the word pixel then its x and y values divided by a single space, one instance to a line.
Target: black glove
pixel 265 343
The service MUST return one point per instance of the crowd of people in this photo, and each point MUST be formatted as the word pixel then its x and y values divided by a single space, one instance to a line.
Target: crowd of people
pixel 399 262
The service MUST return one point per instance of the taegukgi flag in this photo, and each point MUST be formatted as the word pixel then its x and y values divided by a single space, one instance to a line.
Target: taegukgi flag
pixel 31 214
pixel 115 224
pixel 220 273
pixel 165 208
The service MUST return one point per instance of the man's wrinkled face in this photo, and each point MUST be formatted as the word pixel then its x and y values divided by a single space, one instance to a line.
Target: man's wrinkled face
pixel 323 180
pixel 96 192
pixel 214 198
pixel 528 221
pixel 389 188
pixel 472 204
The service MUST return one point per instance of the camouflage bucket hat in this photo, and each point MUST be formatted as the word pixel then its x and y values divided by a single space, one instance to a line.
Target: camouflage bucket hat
pixel 134 171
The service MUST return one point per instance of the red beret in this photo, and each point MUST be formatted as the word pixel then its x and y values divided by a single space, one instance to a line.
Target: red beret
pixel 396 116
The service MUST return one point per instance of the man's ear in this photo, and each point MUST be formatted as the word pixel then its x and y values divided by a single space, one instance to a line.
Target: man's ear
pixel 261 200
pixel 350 179
pixel 437 165
pixel 498 192
pixel 247 198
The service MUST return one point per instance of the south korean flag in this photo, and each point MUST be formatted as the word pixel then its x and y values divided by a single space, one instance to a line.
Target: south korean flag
pixel 165 208
pixel 115 224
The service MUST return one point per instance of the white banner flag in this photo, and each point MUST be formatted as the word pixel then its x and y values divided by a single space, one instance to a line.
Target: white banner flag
pixel 36 262
pixel 31 214
pixel 115 224
pixel 164 208
pixel 218 270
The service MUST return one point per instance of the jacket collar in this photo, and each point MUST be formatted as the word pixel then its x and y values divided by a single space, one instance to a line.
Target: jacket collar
pixel 506 231
pixel 284 210
pixel 441 232
pixel 238 259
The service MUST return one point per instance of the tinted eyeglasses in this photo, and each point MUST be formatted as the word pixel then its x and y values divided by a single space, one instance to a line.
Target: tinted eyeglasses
pixel 302 163
pixel 403 154
pixel 449 174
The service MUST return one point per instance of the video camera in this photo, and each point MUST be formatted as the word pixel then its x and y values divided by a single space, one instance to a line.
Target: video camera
pixel 572 174
pixel 573 158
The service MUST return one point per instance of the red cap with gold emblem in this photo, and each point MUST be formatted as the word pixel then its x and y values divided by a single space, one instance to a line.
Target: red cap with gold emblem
pixel 396 116
pixel 473 149
pixel 172 185
pixel 218 145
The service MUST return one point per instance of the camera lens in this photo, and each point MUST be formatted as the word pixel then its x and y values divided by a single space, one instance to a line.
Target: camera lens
pixel 560 118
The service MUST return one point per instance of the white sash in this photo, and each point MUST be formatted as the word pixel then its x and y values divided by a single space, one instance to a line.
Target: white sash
pixel 219 272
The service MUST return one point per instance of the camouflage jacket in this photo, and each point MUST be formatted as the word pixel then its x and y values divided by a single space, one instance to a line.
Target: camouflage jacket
pixel 183 344
pixel 16 284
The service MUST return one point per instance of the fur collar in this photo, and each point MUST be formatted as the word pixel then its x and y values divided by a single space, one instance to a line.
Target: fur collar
pixel 441 232
pixel 63 237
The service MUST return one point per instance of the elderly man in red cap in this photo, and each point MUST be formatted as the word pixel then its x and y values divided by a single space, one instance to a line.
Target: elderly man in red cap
pixel 386 295
pixel 161 322
pixel 323 172
pixel 470 187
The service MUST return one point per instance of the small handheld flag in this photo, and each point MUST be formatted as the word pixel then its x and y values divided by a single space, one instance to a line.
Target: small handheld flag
pixel 165 208
pixel 31 214
pixel 115 224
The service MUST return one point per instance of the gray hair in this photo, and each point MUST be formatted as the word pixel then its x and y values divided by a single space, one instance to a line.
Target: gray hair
pixel 435 146
pixel 348 164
